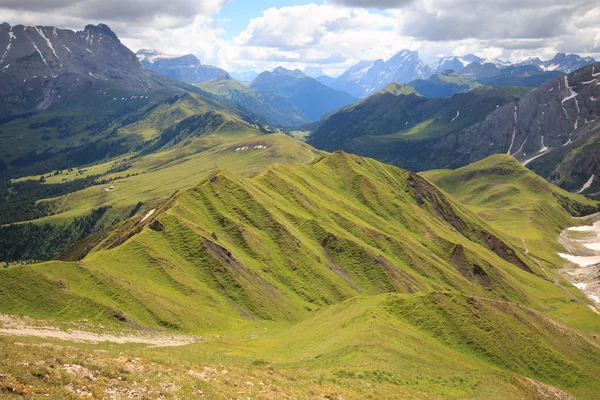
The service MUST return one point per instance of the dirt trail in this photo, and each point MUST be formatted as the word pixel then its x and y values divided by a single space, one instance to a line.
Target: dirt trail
pixel 23 326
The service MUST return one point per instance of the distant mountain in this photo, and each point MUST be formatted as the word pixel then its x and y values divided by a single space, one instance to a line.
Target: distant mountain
pixel 70 98
pixel 554 130
pixel 313 72
pixel 392 117
pixel 44 65
pixel 448 82
pixel 444 84
pixel 275 110
pixel 325 80
pixel 368 77
pixel 476 70
pixel 244 76
pixel 312 97
pixel 454 63
pixel 182 68
pixel 566 63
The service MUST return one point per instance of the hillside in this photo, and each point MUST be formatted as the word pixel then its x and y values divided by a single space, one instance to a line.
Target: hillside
pixel 540 130
pixel 371 125
pixel 443 84
pixel 275 110
pixel 321 269
pixel 516 201
pixel 312 97
pixel 70 205
pixel 69 98
pixel 447 83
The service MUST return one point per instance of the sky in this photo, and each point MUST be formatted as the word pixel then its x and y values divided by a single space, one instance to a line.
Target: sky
pixel 243 35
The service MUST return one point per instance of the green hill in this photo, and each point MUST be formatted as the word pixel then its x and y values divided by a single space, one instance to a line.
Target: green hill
pixel 444 84
pixel 371 125
pixel 356 271
pixel 516 201
pixel 75 202
pixel 99 122
pixel 275 110
pixel 448 83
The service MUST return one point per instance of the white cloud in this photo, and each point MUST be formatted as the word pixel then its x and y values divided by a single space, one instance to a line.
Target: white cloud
pixel 329 36
pixel 336 34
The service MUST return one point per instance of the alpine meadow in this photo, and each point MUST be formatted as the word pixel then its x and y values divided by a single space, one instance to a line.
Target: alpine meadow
pixel 334 199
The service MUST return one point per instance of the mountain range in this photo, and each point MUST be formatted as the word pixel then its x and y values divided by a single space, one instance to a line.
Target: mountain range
pixel 367 77
pixel 275 110
pixel 553 130
pixel 68 98
pixel 313 98
pixel 185 68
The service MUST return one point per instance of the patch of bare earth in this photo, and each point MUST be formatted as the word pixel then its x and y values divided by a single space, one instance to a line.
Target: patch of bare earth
pixel 23 326
pixel 542 391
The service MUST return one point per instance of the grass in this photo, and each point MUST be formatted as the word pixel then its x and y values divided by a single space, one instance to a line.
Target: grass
pixel 340 278
pixel 156 176
pixel 385 121
pixel 516 201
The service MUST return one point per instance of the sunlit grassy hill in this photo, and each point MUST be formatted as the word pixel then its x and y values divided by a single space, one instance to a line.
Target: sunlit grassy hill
pixel 516 201
pixel 357 272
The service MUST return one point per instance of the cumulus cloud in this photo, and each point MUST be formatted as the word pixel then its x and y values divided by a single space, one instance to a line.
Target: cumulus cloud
pixel 131 10
pixel 307 25
pixel 333 35
pixel 376 4
pixel 502 19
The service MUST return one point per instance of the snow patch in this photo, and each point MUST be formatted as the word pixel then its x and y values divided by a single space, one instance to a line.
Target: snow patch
pixel 11 36
pixel 148 215
pixel 41 32
pixel 572 95
pixel 592 246
pixel 581 261
pixel 580 286
pixel 512 142
pixel 457 115
pixel 587 185
pixel 39 52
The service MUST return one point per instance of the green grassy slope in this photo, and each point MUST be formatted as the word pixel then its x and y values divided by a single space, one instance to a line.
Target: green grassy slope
pixel 97 122
pixel 348 269
pixel 275 110
pixel 129 185
pixel 295 238
pixel 515 200
pixel 370 126
pixel 444 85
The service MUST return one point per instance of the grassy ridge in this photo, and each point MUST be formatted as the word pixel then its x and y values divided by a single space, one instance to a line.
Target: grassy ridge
pixel 98 122
pixel 516 201
pixel 364 277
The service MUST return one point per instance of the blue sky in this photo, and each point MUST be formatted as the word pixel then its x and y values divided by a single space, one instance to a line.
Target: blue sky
pixel 241 35
pixel 239 12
